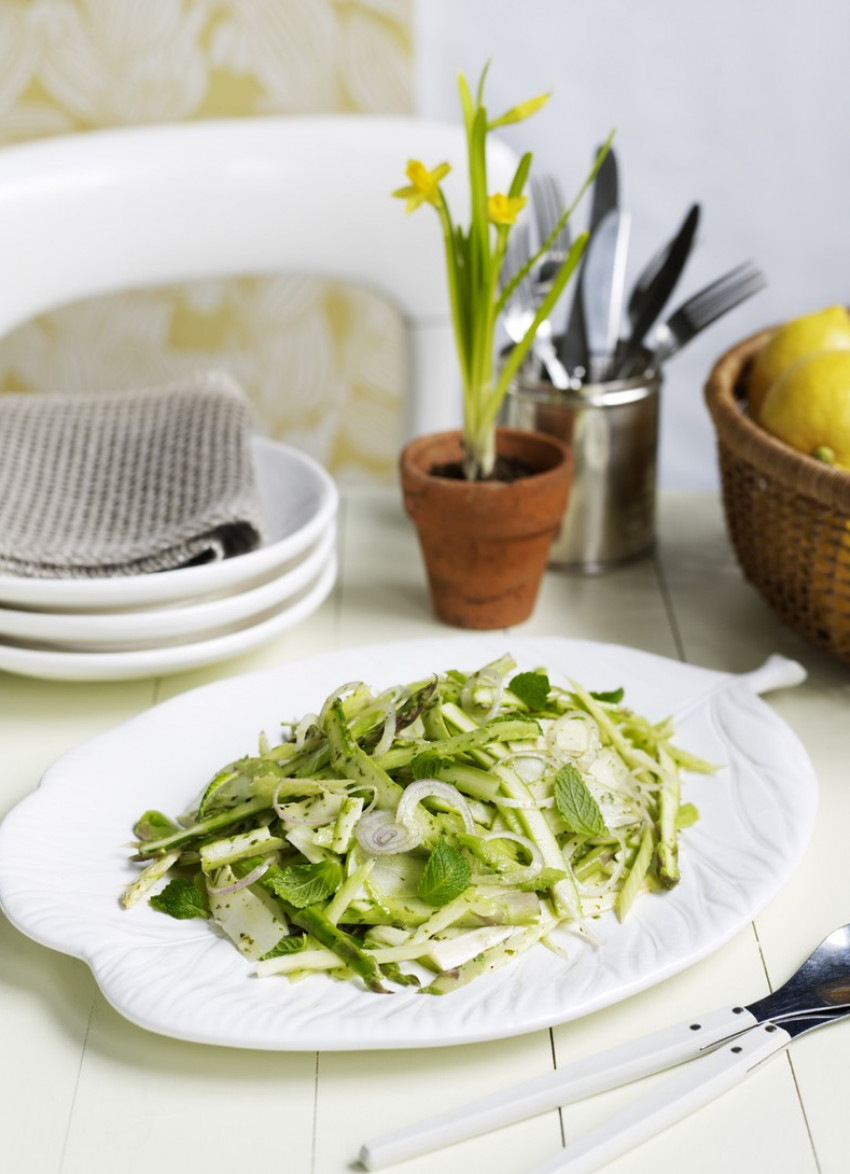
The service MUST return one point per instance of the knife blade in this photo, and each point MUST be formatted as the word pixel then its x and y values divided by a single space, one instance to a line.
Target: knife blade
pixel 573 343
pixel 656 291
pixel 606 189
pixel 603 290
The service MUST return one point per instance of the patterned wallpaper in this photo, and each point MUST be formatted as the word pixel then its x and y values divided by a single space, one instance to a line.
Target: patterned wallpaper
pixel 322 363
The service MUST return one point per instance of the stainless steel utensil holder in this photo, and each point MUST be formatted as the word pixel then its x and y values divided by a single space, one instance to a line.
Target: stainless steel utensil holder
pixel 612 429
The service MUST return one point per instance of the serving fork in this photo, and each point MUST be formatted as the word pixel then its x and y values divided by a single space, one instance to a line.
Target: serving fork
pixel 725 1045
pixel 700 310
pixel 547 200
pixel 523 304
pixel 655 285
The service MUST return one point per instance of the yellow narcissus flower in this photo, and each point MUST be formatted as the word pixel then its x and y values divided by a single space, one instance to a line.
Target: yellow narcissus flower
pixel 424 186
pixel 504 209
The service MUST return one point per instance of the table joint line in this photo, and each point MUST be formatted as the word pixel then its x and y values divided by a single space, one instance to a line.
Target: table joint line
pixel 554 1069
pixel 314 1133
pixel 63 1153
pixel 669 608
pixel 789 1058
pixel 797 1090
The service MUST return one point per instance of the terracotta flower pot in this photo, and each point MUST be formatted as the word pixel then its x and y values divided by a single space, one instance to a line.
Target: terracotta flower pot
pixel 485 543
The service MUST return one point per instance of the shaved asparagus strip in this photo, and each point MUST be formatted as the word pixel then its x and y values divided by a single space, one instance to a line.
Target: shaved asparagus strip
pixel 636 874
pixel 668 800
pixel 146 881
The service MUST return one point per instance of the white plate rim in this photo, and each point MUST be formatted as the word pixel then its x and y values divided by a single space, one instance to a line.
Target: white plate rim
pixel 146 969
pixel 69 629
pixel 150 662
pixel 187 582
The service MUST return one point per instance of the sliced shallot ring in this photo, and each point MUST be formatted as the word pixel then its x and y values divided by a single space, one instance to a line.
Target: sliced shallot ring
pixel 308 721
pixel 546 759
pixel 484 677
pixel 248 879
pixel 295 821
pixel 352 787
pixel 414 793
pixel 378 834
pixel 523 873
pixel 349 687
pixel 388 733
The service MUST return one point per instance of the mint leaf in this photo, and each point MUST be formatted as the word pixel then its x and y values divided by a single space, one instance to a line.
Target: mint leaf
pixel 520 725
pixel 686 815
pixel 613 698
pixel 576 805
pixel 445 876
pixel 182 898
pixel 531 689
pixel 289 944
pixel 427 765
pixel 304 884
pixel 153 825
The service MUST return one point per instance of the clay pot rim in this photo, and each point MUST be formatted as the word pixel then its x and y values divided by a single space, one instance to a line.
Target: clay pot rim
pixel 446 446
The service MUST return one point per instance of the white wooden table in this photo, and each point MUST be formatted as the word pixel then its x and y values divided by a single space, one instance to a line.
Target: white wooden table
pixel 84 1092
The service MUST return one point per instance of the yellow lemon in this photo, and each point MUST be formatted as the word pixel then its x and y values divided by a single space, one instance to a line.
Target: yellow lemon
pixel 809 407
pixel 825 330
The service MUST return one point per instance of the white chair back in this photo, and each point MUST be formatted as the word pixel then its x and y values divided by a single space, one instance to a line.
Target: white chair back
pixel 89 214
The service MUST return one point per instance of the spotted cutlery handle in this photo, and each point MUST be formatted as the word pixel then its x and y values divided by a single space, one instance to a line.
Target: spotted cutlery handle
pixel 693 1086
pixel 641 1057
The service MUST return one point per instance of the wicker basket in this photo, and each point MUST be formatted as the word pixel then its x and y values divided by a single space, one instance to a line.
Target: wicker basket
pixel 788 515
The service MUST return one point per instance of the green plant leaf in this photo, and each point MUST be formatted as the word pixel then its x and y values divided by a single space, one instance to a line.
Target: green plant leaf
pixel 182 898
pixel 520 175
pixel 532 689
pixel 304 884
pixel 467 104
pixel 686 815
pixel 576 805
pixel 428 764
pixel 614 697
pixel 292 943
pixel 518 352
pixel 153 825
pixel 445 876
pixel 479 92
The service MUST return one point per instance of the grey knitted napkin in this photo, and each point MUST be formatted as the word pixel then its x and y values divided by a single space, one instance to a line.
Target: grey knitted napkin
pixel 125 483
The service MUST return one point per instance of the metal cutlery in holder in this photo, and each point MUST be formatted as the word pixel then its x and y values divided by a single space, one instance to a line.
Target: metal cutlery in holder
pixel 612 429
pixel 610 421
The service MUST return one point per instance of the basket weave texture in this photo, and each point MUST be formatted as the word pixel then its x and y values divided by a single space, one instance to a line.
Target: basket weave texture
pixel 788 515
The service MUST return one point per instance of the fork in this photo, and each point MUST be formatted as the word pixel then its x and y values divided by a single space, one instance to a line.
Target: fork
pixel 655 284
pixel 703 308
pixel 523 304
pixel 710 1053
pixel 547 200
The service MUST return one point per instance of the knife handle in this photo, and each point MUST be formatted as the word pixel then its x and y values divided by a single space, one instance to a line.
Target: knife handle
pixel 572 345
pixel 693 1086
pixel 627 1062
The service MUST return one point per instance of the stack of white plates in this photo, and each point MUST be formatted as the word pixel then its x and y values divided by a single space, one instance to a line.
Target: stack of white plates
pixel 144 625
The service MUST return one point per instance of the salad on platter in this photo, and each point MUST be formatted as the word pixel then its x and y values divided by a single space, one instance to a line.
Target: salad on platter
pixel 427 834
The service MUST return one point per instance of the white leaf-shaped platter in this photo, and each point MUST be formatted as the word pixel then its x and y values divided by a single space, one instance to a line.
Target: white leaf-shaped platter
pixel 64 861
